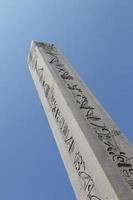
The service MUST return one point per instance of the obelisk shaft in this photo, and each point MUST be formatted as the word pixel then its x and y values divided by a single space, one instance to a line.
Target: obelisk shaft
pixel 97 157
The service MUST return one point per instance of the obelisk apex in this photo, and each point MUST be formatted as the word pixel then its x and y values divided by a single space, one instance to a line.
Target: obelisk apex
pixel 96 155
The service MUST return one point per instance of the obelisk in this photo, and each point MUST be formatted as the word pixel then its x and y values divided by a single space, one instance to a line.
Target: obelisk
pixel 96 155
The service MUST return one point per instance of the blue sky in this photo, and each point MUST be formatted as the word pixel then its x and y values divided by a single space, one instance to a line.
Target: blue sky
pixel 96 36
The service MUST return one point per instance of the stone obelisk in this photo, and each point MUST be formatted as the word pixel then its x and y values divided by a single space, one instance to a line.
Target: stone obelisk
pixel 96 155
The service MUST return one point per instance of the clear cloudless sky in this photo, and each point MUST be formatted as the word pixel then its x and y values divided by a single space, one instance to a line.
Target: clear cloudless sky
pixel 96 36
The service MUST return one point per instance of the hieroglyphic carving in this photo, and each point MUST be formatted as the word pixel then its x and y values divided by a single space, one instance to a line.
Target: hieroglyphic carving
pixel 79 164
pixel 104 134
pixel 72 148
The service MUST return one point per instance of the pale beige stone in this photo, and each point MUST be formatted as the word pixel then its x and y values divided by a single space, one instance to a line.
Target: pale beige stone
pixel 96 155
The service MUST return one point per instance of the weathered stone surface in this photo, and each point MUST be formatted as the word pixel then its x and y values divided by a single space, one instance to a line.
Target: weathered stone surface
pixel 97 157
